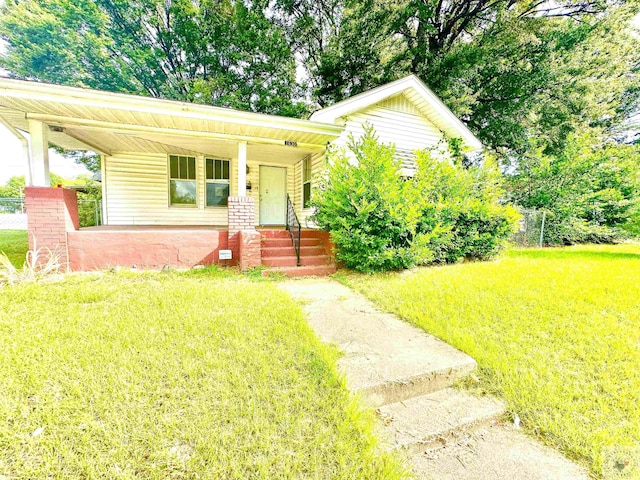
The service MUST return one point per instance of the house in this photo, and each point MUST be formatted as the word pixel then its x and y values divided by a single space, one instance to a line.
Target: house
pixel 183 183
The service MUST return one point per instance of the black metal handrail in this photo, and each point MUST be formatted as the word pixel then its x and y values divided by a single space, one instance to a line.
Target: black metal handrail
pixel 294 228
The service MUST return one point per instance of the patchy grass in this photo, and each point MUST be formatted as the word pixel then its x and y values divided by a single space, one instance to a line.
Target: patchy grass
pixel 172 375
pixel 15 244
pixel 556 332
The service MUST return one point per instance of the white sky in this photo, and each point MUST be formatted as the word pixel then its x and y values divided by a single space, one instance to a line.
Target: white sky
pixel 13 164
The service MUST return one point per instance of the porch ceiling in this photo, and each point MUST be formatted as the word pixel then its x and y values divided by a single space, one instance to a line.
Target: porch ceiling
pixel 83 119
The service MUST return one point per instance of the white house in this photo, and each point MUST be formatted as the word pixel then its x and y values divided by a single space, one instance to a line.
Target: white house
pixel 183 181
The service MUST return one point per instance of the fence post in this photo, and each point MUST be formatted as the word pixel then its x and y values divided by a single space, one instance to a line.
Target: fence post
pixel 544 215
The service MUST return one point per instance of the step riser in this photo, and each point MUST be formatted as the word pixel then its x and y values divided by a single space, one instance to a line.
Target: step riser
pixel 289 251
pixel 433 442
pixel 268 252
pixel 285 234
pixel 292 261
pixel 430 382
pixel 286 242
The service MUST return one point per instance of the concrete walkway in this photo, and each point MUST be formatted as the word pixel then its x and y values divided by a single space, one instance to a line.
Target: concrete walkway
pixel 407 376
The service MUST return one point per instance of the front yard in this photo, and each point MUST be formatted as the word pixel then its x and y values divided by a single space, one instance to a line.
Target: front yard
pixel 172 375
pixel 556 333
pixel 14 243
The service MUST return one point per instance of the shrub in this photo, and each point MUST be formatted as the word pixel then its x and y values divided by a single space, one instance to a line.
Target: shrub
pixel 368 208
pixel 382 221
pixel 461 209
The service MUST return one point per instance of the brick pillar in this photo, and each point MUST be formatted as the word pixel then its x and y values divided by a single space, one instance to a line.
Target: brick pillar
pixel 250 249
pixel 51 213
pixel 242 218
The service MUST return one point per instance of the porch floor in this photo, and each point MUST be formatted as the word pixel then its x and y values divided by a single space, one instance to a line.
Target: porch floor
pixel 151 228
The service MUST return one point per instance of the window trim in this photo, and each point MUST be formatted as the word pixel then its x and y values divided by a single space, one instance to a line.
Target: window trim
pixel 170 178
pixel 305 182
pixel 214 180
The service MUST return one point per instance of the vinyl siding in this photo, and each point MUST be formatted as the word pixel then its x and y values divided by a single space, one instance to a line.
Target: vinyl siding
pixel 395 121
pixel 317 165
pixel 136 190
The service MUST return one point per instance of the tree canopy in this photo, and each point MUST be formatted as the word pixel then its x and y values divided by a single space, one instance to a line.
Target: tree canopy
pixel 514 70
pixel 226 53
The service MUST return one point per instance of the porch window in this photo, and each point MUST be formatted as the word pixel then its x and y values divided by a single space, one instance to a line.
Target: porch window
pixel 217 182
pixel 182 180
pixel 306 182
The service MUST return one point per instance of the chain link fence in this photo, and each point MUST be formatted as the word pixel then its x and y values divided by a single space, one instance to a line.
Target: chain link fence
pixel 531 231
pixel 13 213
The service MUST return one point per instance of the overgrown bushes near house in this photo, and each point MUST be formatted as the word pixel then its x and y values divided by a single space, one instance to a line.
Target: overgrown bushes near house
pixel 381 220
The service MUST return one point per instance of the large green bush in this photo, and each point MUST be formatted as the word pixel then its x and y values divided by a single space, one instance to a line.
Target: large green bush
pixel 380 220
pixel 368 208
pixel 461 211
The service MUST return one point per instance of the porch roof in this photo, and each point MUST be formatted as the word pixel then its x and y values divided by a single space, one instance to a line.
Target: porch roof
pixel 106 122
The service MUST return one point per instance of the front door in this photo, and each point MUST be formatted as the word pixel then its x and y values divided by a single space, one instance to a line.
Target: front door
pixel 273 195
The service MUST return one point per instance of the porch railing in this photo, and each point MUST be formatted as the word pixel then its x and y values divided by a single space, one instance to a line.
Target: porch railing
pixel 294 228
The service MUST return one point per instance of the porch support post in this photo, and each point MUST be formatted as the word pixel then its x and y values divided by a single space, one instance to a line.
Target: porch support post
pixel 242 169
pixel 244 240
pixel 39 153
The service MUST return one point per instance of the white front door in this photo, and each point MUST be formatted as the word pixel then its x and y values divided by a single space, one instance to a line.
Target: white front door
pixel 273 195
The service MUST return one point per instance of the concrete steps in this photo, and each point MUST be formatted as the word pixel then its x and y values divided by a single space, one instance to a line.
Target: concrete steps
pixel 428 421
pixel 408 376
pixel 278 254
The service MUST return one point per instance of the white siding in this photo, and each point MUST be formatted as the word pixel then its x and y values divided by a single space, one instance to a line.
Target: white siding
pixel 396 121
pixel 137 193
pixel 317 164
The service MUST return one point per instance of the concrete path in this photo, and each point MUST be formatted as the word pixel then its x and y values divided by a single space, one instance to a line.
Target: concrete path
pixel 407 375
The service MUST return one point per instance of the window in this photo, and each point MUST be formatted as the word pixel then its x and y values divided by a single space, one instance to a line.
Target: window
pixel 306 182
pixel 182 180
pixel 217 182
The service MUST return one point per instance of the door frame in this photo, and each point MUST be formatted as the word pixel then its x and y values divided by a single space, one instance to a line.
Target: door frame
pixel 284 195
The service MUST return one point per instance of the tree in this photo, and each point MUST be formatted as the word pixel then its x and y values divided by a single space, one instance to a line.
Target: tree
pixel 511 69
pixel 591 190
pixel 225 53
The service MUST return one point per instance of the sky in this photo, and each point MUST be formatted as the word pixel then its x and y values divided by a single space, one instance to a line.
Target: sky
pixel 12 163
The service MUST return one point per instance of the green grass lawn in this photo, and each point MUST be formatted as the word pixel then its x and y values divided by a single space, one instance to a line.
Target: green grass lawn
pixel 173 375
pixel 555 332
pixel 15 244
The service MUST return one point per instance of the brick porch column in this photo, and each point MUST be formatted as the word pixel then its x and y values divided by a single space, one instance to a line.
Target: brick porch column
pixel 244 240
pixel 51 213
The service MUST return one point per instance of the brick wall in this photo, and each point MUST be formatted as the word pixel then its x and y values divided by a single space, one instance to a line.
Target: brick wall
pixel 51 213
pixel 242 218
pixel 96 249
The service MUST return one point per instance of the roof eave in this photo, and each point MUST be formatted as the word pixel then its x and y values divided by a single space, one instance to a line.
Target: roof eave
pixel 109 100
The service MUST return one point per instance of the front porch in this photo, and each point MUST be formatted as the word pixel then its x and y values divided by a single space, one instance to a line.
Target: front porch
pixel 180 182
pixel 156 246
